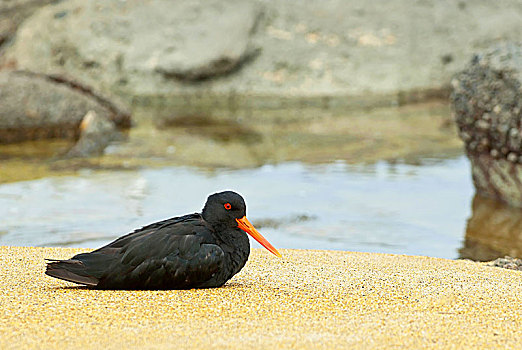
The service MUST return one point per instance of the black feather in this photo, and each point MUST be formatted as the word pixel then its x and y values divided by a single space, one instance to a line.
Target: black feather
pixel 177 253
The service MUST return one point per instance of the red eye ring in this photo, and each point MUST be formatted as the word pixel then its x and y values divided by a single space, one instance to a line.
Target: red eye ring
pixel 227 206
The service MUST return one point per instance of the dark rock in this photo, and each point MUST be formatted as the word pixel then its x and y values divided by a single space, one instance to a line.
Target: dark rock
pixel 35 106
pixel 96 134
pixel 487 101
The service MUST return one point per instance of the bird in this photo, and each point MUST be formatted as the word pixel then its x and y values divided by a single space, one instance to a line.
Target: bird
pixel 200 250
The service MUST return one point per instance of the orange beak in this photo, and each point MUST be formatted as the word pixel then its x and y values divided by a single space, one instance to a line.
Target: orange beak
pixel 246 226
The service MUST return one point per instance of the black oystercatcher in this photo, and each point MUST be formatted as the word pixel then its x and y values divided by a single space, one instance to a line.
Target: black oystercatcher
pixel 192 251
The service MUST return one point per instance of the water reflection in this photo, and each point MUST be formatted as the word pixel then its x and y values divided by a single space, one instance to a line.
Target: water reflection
pixel 493 230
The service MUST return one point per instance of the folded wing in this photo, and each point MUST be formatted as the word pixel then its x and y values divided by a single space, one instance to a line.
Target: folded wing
pixel 172 254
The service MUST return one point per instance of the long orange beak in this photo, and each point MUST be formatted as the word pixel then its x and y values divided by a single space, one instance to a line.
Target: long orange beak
pixel 246 226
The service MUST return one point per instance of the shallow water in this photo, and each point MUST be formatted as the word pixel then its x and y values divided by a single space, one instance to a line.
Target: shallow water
pixel 413 196
pixel 387 208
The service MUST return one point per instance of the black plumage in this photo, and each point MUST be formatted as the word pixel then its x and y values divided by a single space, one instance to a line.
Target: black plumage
pixel 191 251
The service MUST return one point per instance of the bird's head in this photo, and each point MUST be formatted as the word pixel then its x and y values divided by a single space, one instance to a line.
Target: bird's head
pixel 228 209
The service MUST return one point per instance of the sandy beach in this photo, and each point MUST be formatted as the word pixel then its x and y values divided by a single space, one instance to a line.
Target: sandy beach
pixel 309 299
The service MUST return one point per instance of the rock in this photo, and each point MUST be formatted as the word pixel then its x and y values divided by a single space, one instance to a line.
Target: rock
pixel 507 262
pixel 96 134
pixel 487 101
pixel 133 40
pixel 13 12
pixel 36 106
pixel 217 42
pixel 497 178
pixel 262 53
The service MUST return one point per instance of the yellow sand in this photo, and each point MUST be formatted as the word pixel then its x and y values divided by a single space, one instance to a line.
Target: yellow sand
pixel 309 299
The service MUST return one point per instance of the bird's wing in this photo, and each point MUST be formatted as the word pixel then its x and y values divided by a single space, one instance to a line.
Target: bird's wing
pixel 175 253
pixel 145 230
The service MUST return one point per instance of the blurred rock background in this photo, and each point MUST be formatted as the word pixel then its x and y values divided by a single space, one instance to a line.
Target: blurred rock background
pixel 190 58
pixel 350 53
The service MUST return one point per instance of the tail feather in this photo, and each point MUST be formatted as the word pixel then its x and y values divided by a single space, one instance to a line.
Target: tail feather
pixel 70 270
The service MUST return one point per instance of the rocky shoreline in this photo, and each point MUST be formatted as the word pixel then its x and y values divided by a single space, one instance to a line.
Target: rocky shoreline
pixel 36 106
pixel 487 102
pixel 192 57
pixel 260 48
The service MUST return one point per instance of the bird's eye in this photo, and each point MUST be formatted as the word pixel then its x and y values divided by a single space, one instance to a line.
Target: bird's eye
pixel 227 206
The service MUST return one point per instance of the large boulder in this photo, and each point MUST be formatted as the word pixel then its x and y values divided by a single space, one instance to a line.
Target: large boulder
pixel 487 101
pixel 13 12
pixel 138 44
pixel 36 106
pixel 263 53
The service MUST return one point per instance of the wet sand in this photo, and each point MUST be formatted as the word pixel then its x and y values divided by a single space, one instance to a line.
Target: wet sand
pixel 309 299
